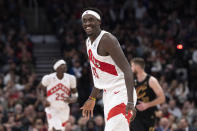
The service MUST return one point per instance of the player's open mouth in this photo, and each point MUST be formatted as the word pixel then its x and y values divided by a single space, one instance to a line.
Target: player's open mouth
pixel 88 28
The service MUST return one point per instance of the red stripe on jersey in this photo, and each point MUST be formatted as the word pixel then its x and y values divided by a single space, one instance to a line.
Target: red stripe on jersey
pixel 64 124
pixel 121 108
pixel 103 66
pixel 58 87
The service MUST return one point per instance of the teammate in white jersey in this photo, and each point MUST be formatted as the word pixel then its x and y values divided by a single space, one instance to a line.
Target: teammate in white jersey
pixel 111 73
pixel 61 90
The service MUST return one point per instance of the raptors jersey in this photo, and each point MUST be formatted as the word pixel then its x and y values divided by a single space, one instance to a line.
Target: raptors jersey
pixel 58 89
pixel 106 74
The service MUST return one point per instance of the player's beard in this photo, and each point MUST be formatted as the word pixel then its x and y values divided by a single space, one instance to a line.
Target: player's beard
pixel 135 73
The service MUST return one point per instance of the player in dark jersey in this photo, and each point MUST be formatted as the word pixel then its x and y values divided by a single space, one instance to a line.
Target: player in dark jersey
pixel 149 94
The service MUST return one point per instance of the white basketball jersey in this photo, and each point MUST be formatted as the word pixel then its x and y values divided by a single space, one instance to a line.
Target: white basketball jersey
pixel 106 74
pixel 57 89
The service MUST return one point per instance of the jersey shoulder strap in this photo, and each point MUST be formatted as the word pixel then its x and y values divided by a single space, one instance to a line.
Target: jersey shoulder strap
pixel 147 79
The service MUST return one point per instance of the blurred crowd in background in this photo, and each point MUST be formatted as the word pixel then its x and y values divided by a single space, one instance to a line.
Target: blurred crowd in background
pixel 151 29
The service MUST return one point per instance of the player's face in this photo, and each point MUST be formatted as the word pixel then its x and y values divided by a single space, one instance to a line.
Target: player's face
pixel 61 68
pixel 133 68
pixel 90 24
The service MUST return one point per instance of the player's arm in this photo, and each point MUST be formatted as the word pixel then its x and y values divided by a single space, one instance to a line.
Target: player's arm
pixel 111 45
pixel 73 91
pixel 40 90
pixel 73 98
pixel 154 84
pixel 44 83
pixel 41 86
pixel 41 93
pixel 160 98
pixel 94 93
pixel 88 107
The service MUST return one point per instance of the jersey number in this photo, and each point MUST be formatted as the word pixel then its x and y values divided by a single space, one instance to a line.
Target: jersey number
pixel 94 72
pixel 60 96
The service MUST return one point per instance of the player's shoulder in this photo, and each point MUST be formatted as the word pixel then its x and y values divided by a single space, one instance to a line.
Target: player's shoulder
pixel 108 36
pixel 153 80
pixel 52 74
pixel 69 76
pixel 109 40
pixel 86 41
pixel 49 75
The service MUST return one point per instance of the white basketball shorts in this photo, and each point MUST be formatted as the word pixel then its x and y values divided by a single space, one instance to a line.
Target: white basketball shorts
pixel 115 101
pixel 57 117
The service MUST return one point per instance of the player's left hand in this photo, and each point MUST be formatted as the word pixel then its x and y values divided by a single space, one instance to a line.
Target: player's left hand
pixel 46 103
pixel 142 106
pixel 131 107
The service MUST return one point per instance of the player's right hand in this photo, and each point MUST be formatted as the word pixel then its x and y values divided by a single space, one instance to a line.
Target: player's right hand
pixel 46 103
pixel 131 107
pixel 87 108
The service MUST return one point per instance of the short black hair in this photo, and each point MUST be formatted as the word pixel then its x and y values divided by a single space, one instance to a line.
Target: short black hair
pixel 93 9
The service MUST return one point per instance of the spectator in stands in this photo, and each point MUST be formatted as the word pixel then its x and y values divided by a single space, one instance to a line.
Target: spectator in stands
pixel 39 125
pixel 99 121
pixel 183 125
pixel 182 92
pixel 81 124
pixel 91 126
pixel 173 109
pixel 164 125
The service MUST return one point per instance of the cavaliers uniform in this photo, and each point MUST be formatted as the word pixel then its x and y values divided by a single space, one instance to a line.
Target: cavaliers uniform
pixel 58 112
pixel 144 120
pixel 108 77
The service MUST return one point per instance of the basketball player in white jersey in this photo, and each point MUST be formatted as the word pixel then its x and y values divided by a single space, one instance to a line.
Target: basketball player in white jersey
pixel 61 90
pixel 111 73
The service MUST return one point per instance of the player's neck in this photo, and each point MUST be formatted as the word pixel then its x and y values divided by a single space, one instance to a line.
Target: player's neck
pixel 94 36
pixel 60 75
pixel 141 75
